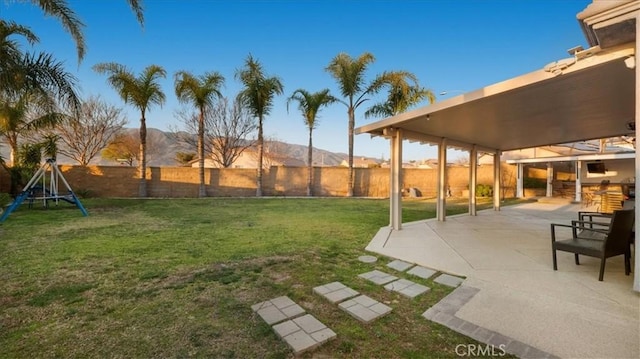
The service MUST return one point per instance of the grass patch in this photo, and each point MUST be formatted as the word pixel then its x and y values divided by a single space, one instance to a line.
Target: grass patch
pixel 177 278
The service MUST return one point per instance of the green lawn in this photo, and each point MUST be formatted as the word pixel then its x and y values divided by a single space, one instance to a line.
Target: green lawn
pixel 177 277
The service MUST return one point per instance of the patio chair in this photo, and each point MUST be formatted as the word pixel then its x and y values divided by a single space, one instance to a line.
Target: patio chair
pixel 597 239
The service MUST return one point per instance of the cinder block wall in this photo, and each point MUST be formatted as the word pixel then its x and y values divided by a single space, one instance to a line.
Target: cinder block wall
pixel 177 182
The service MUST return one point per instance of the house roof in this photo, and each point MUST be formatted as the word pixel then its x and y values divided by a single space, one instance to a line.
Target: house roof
pixel 587 96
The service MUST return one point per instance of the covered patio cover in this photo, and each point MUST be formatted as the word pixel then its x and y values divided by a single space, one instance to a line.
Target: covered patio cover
pixel 593 94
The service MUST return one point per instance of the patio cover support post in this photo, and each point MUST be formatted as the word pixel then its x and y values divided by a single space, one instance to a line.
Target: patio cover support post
pixel 578 181
pixel 549 179
pixel 395 205
pixel 496 180
pixel 473 179
pixel 442 181
pixel 636 272
pixel 520 180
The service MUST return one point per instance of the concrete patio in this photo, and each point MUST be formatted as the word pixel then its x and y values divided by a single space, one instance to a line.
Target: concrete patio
pixel 506 255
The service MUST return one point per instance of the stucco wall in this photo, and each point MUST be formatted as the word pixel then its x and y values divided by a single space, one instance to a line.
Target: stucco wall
pixel 122 181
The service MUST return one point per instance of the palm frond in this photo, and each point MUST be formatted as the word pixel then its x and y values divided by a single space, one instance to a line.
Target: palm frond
pixel 69 20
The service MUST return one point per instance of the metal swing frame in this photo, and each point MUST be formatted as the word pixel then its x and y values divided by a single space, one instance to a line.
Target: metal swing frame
pixel 38 189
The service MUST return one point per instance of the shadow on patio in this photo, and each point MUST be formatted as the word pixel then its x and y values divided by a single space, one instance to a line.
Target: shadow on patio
pixel 507 256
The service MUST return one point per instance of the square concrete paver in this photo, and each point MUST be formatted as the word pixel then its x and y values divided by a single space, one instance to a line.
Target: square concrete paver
pixel 407 288
pixel 399 265
pixel 422 272
pixel 277 310
pixel 448 280
pixel 335 292
pixel 364 308
pixel 304 333
pixel 378 277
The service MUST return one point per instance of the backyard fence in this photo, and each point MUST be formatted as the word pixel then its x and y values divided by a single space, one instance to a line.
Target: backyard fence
pixel 177 182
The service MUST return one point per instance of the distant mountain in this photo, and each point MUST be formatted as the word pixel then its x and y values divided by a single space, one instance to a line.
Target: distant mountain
pixel 163 146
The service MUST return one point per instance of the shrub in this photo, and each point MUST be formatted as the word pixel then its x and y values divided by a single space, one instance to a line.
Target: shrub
pixel 484 190
pixel 5 199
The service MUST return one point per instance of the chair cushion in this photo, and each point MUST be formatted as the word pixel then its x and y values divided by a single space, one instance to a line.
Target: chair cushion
pixel 587 247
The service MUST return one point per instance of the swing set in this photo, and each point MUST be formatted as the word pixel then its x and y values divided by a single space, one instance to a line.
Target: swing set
pixel 38 189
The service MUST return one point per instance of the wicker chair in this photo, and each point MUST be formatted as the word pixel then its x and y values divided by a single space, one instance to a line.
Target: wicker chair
pixel 597 239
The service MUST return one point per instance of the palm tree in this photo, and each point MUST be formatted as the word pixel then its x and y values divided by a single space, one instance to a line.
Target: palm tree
pixel 309 105
pixel 71 22
pixel 199 91
pixel 32 86
pixel 257 95
pixel 404 92
pixel 142 92
pixel 39 74
pixel 350 75
pixel 17 118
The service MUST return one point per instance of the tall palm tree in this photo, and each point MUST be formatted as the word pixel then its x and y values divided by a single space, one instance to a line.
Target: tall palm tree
pixel 309 105
pixel 199 91
pixel 258 93
pixel 404 92
pixel 350 74
pixel 71 22
pixel 142 92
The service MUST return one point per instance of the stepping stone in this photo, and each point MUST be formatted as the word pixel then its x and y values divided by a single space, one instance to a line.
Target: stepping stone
pixel 335 292
pixel 422 272
pixel 448 280
pixel 378 277
pixel 399 265
pixel 277 310
pixel 304 333
pixel 407 288
pixel 364 308
pixel 367 259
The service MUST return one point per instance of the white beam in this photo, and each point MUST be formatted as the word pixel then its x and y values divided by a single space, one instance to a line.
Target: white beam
pixel 520 180
pixel 549 179
pixel 473 180
pixel 496 181
pixel 578 166
pixel 636 272
pixel 395 205
pixel 441 202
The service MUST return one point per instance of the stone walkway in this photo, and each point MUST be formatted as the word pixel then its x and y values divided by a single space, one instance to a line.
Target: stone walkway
pixel 303 332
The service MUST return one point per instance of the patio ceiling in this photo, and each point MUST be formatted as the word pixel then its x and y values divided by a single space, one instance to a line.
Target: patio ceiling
pixel 588 96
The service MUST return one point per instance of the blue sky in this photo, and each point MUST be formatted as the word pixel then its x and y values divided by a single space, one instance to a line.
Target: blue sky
pixel 450 46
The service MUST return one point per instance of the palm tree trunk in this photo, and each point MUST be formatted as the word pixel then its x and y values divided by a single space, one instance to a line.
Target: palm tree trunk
pixel 310 164
pixel 202 191
pixel 260 154
pixel 352 122
pixel 142 189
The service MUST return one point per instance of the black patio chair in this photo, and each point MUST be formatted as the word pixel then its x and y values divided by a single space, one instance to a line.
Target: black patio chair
pixel 597 239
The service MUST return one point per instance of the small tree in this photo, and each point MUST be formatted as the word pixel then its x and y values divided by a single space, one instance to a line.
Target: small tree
pixel 227 131
pixel 122 148
pixel 86 134
pixel 184 158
